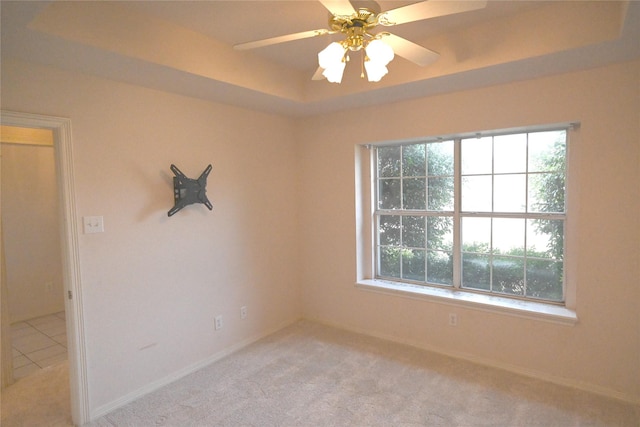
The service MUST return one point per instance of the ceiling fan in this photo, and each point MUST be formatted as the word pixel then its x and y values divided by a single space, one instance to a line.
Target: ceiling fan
pixel 358 20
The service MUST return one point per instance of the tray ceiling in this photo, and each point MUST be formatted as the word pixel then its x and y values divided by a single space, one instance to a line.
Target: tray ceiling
pixel 186 47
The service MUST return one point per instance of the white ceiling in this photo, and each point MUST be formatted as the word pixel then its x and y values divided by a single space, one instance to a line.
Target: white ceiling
pixel 237 22
pixel 185 47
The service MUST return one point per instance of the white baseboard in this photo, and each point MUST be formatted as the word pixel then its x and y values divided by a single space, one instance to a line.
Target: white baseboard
pixel 567 382
pixel 151 387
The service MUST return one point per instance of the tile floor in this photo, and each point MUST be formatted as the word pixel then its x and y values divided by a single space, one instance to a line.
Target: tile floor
pixel 38 343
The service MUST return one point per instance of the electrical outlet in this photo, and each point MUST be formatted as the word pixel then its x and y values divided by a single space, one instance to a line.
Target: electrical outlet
pixel 218 324
pixel 243 312
pixel 48 286
pixel 453 319
pixel 93 224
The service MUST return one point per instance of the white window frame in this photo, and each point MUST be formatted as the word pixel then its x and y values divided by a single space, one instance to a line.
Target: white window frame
pixel 366 240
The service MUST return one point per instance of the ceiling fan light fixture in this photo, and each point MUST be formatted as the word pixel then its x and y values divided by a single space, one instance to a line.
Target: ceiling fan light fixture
pixel 334 73
pixel 379 54
pixel 379 51
pixel 332 60
pixel 331 55
pixel 375 71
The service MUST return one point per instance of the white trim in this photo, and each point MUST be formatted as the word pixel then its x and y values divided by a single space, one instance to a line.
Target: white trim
pixel 574 125
pixel 61 128
pixel 489 303
pixel 162 382
pixel 531 373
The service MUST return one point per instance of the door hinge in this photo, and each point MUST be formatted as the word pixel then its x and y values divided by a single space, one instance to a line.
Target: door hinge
pixel 69 295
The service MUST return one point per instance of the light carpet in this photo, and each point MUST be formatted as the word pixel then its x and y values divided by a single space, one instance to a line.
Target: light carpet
pixel 313 375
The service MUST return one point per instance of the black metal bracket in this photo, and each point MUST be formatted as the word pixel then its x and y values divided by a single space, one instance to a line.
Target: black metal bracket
pixel 187 190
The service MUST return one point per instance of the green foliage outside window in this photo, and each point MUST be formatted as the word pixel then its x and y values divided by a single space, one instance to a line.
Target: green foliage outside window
pixel 416 221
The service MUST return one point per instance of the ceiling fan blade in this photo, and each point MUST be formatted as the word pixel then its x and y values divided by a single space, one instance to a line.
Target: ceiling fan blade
pixel 411 51
pixel 339 7
pixel 318 74
pixel 282 39
pixel 428 9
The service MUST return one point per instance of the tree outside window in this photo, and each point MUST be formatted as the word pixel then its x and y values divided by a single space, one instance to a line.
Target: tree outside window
pixel 506 235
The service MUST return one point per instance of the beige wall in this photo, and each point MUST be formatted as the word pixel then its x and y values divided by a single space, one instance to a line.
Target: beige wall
pixel 31 231
pixel 281 238
pixel 601 351
pixel 151 284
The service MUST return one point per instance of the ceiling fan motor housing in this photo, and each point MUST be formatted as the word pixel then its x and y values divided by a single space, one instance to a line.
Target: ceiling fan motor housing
pixel 356 27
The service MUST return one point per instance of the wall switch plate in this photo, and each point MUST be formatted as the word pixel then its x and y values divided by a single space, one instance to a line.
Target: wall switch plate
pixel 93 224
pixel 243 312
pixel 218 324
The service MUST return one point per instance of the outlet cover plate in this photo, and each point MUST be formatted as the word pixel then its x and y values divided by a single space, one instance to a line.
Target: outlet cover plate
pixel 93 224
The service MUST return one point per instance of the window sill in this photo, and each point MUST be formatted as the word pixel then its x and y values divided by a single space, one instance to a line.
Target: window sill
pixel 490 303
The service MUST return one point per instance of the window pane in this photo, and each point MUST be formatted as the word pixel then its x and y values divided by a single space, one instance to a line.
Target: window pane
pixel 389 262
pixel 509 193
pixel 440 158
pixel 440 194
pixel 545 238
pixel 389 196
pixel 414 193
pixel 511 210
pixel 544 279
pixel 510 153
pixel 508 275
pixel 389 230
pixel 413 264
pixel 440 232
pixel 388 161
pixel 546 192
pixel 476 234
pixel 476 155
pixel 547 151
pixel 475 271
pixel 440 267
pixel 508 236
pixel 413 160
pixel 476 193
pixel 413 231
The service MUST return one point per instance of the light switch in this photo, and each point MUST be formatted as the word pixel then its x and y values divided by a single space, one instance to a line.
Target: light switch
pixel 93 224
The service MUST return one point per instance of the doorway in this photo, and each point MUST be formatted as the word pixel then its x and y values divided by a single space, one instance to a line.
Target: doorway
pixel 72 295
pixel 31 239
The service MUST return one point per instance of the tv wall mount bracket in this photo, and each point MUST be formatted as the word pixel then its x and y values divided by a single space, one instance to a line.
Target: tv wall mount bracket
pixel 187 191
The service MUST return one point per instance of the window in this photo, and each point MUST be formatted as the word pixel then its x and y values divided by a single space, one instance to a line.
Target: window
pixel 481 214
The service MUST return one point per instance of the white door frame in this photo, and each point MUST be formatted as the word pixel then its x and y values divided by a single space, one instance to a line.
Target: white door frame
pixel 76 347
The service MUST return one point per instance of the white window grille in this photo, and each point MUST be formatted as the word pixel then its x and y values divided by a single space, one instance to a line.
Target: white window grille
pixel 476 213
